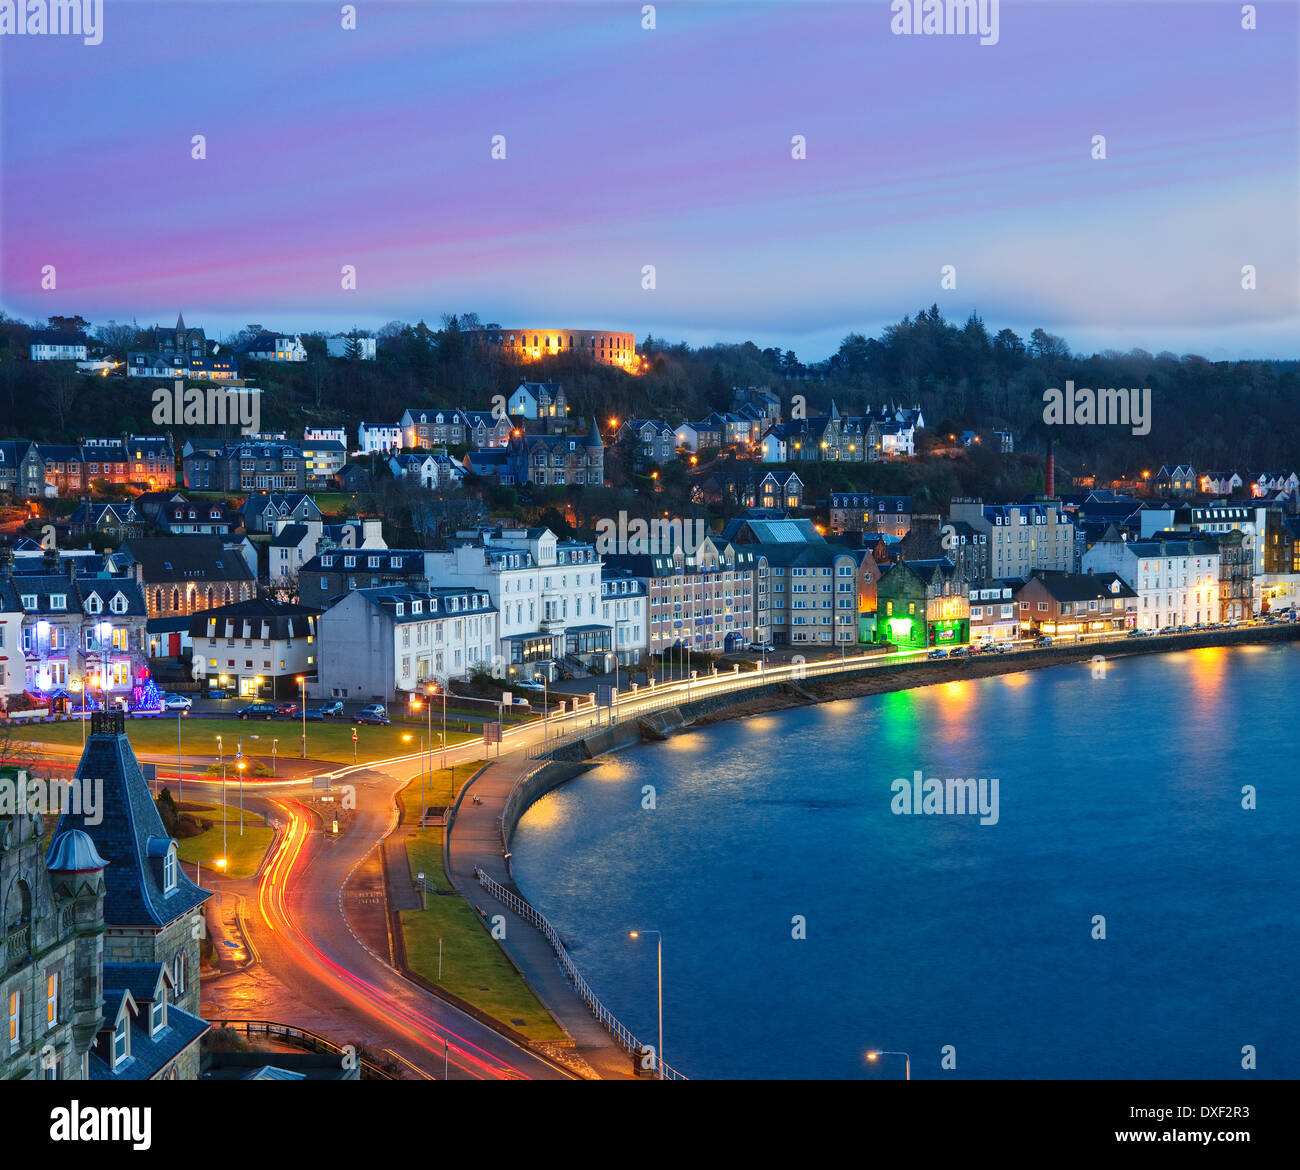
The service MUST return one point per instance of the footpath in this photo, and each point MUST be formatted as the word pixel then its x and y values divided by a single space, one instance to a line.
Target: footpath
pixel 476 841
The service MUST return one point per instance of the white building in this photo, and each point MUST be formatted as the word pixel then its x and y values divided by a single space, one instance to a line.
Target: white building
pixel 257 648
pixel 624 608
pixel 337 346
pixel 547 591
pixel 432 470
pixel 267 347
pixel 377 643
pixel 1177 581
pixel 382 437
pixel 1021 537
pixel 57 345
pixel 325 435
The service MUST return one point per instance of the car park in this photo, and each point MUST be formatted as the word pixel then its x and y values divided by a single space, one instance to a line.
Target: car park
pixel 256 711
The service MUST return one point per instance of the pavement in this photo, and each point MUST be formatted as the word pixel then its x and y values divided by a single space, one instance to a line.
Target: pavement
pixel 475 840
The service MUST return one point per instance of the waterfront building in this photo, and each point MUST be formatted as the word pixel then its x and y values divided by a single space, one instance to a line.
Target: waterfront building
pixel 1021 537
pixel 994 614
pixel 546 591
pixel 923 603
pixel 381 643
pixel 704 599
pixel 624 607
pixel 1177 581
pixel 1075 603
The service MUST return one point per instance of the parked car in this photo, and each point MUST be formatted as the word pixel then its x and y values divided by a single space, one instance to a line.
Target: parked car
pixel 218 694
pixel 330 707
pixel 375 717
pixel 177 702
pixel 287 709
pixel 1043 640
pixel 518 701
pixel 762 648
pixel 314 715
pixel 527 686
pixel 960 652
pixel 373 709
pixel 937 653
pixel 256 711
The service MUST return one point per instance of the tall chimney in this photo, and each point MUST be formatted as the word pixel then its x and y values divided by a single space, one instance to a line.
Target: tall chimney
pixel 1049 470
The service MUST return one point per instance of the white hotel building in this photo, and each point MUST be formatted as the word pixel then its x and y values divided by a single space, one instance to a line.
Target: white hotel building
pixel 546 590
pixel 1177 581
pixel 378 643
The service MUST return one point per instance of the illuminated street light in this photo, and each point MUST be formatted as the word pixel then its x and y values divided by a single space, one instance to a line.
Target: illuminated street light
pixel 876 1053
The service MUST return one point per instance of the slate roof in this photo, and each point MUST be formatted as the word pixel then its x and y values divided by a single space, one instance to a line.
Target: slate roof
pixel 263 617
pixel 191 558
pixel 1081 586
pixel 127 824
pixel 149 1055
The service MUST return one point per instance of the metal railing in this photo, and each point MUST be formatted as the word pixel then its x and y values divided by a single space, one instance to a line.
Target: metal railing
pixel 300 1038
pixel 603 1015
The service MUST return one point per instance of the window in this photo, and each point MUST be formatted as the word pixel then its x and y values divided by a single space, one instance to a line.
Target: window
pixel 178 975
pixel 51 999
pixel 169 869
pixel 15 1009
pixel 158 1015
pixel 120 1045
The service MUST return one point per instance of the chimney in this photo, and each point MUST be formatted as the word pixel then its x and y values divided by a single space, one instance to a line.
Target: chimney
pixel 1049 470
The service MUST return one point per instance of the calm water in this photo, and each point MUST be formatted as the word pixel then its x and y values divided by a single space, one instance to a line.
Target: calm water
pixel 1118 796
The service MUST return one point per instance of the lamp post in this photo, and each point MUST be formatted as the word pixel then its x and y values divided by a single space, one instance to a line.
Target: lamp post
pixel 659 1054
pixel 180 783
pixel 274 742
pixel 302 682
pixel 222 756
pixel 240 764
pixel 546 707
pixel 876 1053
pixel 442 740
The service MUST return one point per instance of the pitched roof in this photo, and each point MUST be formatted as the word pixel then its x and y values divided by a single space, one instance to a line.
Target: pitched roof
pixel 128 833
pixel 173 558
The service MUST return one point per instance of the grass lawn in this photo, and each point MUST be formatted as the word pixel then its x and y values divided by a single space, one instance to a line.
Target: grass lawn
pixel 325 741
pixel 243 854
pixel 473 965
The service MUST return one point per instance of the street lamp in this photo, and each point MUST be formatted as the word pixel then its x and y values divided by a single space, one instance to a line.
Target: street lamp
pixel 222 756
pixel 302 682
pixel 659 1055
pixel 434 688
pixel 407 739
pixel 546 706
pixel 876 1053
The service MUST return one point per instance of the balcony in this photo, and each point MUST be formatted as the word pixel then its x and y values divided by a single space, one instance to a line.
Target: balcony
pixel 18 945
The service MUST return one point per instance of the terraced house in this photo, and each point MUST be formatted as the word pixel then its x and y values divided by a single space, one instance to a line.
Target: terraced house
pixel 82 631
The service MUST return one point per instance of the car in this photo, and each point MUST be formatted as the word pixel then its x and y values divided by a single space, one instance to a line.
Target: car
pixel 960 652
pixel 1167 629
pixel 256 711
pixel 518 701
pixel 373 709
pixel 1139 634
pixel 1043 640
pixel 527 686
pixel 287 709
pixel 314 715
pixel 332 707
pixel 218 694
pixel 937 653
pixel 177 702
pixel 378 718
pixel 762 648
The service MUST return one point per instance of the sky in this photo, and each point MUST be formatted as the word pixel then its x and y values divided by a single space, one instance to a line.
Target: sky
pixel 670 147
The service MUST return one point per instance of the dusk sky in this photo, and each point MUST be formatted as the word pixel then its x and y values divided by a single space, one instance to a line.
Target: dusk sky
pixel 671 147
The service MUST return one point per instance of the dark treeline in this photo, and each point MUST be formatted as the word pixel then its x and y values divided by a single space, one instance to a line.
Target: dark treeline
pixel 1243 414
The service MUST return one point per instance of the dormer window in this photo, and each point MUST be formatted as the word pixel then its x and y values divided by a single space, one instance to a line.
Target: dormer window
pixel 417 607
pixel 29 601
pixel 169 869
pixel 59 601
pixel 158 1015
pixel 399 609
pixel 121 1040
pixel 94 604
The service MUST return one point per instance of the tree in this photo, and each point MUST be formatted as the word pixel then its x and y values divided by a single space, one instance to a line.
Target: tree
pixel 77 324
pixel 116 337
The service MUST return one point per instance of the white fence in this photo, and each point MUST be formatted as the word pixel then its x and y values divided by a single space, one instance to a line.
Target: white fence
pixel 580 985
